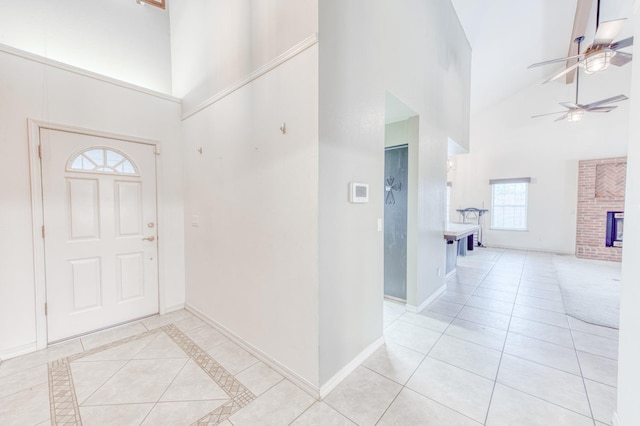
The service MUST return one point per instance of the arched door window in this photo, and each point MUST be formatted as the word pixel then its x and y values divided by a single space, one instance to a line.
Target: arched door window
pixel 102 160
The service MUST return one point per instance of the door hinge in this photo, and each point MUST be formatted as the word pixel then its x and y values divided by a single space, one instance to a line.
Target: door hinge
pixel 40 151
pixel 46 309
pixel 42 231
pixel 156 151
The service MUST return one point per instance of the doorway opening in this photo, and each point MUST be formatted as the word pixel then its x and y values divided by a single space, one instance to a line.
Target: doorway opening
pixel 396 167
pixel 401 141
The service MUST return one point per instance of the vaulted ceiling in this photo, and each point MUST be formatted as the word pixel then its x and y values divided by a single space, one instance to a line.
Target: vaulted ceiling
pixel 507 36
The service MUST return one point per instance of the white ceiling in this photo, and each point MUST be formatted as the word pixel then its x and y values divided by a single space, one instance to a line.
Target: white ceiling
pixel 507 36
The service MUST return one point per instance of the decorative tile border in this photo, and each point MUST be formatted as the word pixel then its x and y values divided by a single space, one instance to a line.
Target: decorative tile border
pixel 240 395
pixel 64 405
pixel 62 394
pixel 112 345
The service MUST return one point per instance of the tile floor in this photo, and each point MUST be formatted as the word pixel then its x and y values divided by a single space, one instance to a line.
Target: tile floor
pixel 496 348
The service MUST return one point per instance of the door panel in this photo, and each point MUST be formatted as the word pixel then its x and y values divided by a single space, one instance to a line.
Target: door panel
pixel 82 205
pixel 99 200
pixel 129 209
pixel 130 276
pixel 395 222
pixel 86 279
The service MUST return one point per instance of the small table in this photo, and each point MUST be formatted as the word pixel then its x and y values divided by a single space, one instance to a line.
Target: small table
pixel 456 233
pixel 474 214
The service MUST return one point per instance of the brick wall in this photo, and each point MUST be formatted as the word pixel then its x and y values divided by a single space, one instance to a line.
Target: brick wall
pixel 601 185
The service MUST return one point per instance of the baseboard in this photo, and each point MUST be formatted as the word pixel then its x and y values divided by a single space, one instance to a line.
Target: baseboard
pixel 434 296
pixel 540 250
pixel 300 381
pixel 17 351
pixel 349 368
pixel 173 308
pixel 616 419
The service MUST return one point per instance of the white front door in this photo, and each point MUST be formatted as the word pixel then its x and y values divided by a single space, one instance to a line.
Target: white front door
pixel 101 252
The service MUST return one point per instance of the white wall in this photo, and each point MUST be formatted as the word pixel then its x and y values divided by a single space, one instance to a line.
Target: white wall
pixel 396 133
pixel 628 410
pixel 507 143
pixel 117 38
pixel 30 89
pixel 216 43
pixel 252 260
pixel 281 240
pixel 416 50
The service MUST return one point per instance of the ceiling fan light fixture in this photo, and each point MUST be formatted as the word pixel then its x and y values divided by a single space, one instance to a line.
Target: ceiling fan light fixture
pixel 599 61
pixel 575 115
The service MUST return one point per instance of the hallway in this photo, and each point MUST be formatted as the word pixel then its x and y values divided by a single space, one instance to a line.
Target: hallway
pixel 496 348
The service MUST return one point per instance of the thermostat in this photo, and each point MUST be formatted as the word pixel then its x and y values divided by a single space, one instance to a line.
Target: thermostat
pixel 358 192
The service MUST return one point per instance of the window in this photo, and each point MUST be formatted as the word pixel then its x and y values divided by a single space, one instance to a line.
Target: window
pixel 102 160
pixel 509 203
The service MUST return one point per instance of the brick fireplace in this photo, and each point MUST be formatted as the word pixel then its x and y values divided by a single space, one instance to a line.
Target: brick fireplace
pixel 601 185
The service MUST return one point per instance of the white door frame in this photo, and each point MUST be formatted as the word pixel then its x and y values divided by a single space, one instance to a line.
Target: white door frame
pixel 37 211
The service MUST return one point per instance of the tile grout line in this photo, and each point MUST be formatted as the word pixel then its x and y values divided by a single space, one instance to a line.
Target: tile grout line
pixel 309 407
pixel 495 382
pixel 404 386
pixel 66 376
pixel 239 394
pixel 45 380
pixel 584 383
pixel 541 340
pixel 247 367
pixel 155 404
pixel 117 370
pixel 571 331
pixel 547 401
pixel 442 333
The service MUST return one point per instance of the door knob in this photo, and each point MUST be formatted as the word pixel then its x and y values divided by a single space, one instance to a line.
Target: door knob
pixel 151 238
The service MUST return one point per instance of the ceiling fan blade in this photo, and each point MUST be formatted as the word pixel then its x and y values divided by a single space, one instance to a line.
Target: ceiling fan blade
pixel 607 31
pixel 601 109
pixel 580 21
pixel 606 101
pixel 553 61
pixel 549 113
pixel 621 58
pixel 563 72
pixel 564 117
pixel 622 43
pixel 570 105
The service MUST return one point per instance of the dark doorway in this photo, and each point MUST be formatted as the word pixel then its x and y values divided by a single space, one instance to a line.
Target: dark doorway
pixel 395 221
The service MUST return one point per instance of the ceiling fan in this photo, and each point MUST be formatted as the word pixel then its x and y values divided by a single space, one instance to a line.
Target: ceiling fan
pixel 602 52
pixel 575 111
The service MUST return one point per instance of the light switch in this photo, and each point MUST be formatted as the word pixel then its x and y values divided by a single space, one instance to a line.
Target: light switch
pixel 380 228
pixel 195 221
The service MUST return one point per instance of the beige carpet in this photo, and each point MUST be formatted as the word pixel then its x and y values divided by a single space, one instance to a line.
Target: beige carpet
pixel 590 289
